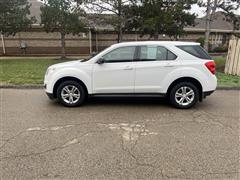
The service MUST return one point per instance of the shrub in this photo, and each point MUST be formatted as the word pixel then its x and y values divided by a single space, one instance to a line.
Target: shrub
pixel 201 41
pixel 220 63
pixel 220 49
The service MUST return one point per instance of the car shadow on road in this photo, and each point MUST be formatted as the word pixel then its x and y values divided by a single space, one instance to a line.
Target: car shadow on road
pixel 137 101
pixel 103 100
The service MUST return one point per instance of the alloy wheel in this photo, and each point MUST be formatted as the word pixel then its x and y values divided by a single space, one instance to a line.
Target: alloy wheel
pixel 184 96
pixel 70 94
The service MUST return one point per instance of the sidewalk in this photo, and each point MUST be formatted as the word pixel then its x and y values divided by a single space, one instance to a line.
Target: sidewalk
pixel 42 57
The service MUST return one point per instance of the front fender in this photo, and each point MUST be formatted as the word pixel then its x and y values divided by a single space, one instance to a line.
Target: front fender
pixel 84 76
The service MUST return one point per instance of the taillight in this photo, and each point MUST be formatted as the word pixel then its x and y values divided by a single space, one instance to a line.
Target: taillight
pixel 211 66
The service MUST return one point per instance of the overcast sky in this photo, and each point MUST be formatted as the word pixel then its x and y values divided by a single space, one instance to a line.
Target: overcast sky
pixel 195 9
pixel 201 11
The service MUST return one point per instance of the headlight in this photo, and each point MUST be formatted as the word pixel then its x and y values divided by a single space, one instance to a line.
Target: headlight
pixel 50 70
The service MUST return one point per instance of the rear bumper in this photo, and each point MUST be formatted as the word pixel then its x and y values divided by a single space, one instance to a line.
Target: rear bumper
pixel 207 93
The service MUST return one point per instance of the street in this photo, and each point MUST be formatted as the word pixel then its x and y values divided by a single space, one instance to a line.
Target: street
pixel 118 138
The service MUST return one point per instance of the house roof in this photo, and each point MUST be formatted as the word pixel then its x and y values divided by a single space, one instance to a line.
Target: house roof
pixel 219 23
pixel 98 21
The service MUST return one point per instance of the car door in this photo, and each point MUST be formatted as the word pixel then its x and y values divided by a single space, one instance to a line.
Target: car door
pixel 154 64
pixel 116 74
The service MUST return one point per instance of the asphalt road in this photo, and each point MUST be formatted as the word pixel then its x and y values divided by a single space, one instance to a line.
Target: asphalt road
pixel 118 138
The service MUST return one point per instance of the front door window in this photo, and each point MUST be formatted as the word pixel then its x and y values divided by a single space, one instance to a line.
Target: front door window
pixel 122 54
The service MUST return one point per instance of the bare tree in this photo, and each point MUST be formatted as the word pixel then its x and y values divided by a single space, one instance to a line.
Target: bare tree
pixel 227 6
pixel 114 7
pixel 207 25
pixel 211 8
pixel 61 16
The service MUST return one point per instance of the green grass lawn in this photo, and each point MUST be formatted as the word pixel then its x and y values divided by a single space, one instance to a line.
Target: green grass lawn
pixel 31 71
pixel 225 80
pixel 24 71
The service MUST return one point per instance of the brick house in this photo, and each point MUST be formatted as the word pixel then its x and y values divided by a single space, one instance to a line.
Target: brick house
pixel 99 35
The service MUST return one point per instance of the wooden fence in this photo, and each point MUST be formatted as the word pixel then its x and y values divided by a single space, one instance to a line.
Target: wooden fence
pixel 233 58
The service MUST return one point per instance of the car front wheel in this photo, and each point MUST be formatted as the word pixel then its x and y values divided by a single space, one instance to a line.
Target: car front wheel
pixel 184 95
pixel 71 93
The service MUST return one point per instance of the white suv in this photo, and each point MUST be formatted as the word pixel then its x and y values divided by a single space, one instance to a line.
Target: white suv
pixel 180 71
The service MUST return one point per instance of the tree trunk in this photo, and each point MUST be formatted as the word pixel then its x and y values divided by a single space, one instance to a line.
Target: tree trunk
pixel 63 51
pixel 120 34
pixel 120 20
pixel 3 44
pixel 155 36
pixel 210 12
pixel 207 25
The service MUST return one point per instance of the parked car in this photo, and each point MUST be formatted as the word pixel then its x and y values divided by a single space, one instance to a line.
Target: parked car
pixel 180 71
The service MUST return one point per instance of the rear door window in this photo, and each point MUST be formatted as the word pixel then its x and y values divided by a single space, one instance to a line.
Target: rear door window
pixel 155 53
pixel 195 50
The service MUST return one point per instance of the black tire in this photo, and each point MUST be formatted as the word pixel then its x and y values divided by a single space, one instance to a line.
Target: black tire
pixel 177 88
pixel 78 101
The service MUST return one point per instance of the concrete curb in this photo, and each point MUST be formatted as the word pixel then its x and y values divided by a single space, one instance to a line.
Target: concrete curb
pixel 34 86
pixel 12 86
pixel 228 88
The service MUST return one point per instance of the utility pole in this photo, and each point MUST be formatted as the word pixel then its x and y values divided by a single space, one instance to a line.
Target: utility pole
pixel 3 45
pixel 207 25
pixel 90 40
pixel 211 9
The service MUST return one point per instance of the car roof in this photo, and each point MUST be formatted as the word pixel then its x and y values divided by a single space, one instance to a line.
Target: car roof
pixel 135 43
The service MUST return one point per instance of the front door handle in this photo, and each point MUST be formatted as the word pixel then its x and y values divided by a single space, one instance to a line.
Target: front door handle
pixel 169 65
pixel 128 68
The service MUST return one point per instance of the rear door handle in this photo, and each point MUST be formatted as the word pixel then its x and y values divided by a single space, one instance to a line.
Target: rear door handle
pixel 128 68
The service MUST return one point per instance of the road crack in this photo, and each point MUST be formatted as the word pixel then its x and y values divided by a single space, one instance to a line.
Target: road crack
pixel 71 142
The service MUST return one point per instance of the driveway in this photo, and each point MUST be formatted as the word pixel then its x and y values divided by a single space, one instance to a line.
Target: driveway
pixel 118 138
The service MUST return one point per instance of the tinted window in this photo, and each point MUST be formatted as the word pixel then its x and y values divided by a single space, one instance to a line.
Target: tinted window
pixel 161 53
pixel 171 56
pixel 122 54
pixel 195 50
pixel 156 53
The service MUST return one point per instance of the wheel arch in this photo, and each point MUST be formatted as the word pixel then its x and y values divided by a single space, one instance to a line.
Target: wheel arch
pixel 187 79
pixel 67 78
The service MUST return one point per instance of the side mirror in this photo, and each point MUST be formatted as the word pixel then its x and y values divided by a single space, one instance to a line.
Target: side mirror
pixel 100 60
pixel 94 54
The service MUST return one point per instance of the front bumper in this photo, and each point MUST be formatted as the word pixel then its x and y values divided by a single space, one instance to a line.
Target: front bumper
pixel 50 96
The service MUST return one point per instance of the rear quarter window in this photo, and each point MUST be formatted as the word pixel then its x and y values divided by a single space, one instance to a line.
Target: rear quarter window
pixel 195 50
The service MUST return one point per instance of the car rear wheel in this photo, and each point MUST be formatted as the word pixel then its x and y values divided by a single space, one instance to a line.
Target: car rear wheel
pixel 184 95
pixel 71 94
